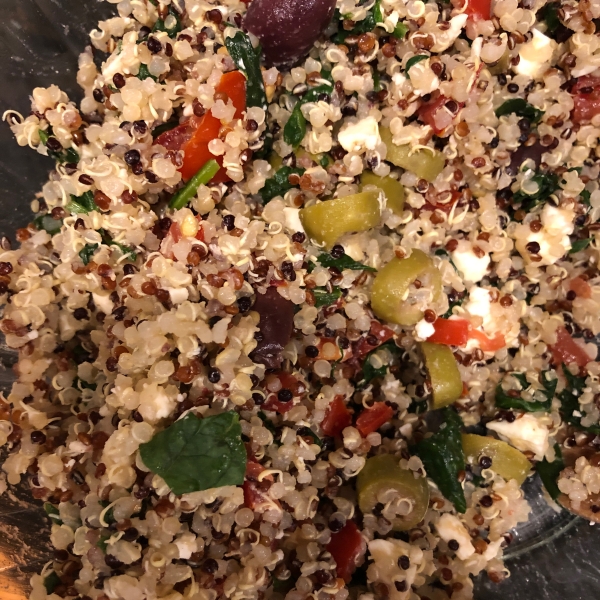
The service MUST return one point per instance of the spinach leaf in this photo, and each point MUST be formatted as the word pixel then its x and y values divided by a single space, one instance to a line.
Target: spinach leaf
pixel 66 155
pixel 369 371
pixel 547 185
pixel 400 31
pixel 82 205
pixel 295 128
pixel 171 124
pixel 144 73
pixel 53 513
pixel 413 60
pixel 174 29
pixel 549 472
pixel 48 224
pixel 267 422
pixel 198 454
pixel 377 12
pixel 580 245
pixel 87 252
pixel 343 262
pixel 308 432
pixel 51 582
pixel 102 542
pixel 570 409
pixel 279 184
pixel 443 457
pixel 521 108
pixel 515 401
pixel 108 241
pixel 364 26
pixel 325 298
pixel 585 197
pixel 248 61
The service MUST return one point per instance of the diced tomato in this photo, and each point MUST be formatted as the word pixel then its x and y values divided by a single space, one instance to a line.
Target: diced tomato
pixel 380 332
pixel 276 405
pixel 453 332
pixel 337 417
pixel 254 496
pixel 479 10
pixel 567 350
pixel 581 287
pixel 347 547
pixel 332 352
pixel 586 98
pixel 174 235
pixel 436 115
pixel 432 201
pixel 371 419
pixel 486 343
pixel 253 469
pixel 194 135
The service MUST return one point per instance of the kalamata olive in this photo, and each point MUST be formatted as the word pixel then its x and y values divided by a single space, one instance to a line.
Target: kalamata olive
pixel 522 153
pixel 287 29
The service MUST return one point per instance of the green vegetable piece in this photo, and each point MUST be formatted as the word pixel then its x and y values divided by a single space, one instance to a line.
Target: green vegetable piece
pixel 549 15
pixel 48 224
pixel 424 163
pixel 510 401
pixel 325 298
pixel 82 205
pixel 413 60
pixel 170 124
pixel 521 108
pixel 51 582
pixel 547 185
pixel 364 26
pixel 248 61
pixel 328 221
pixel 585 197
pixel 279 184
pixel 68 155
pixel 392 189
pixel 377 12
pixel 369 371
pixel 173 19
pixel 549 472
pixel 580 245
pixel 381 476
pixel 400 31
pixel 392 284
pixel 189 190
pixel 443 457
pixel 87 252
pixel 198 454
pixel 295 129
pixel 569 402
pixel 53 513
pixel 507 461
pixel 343 262
pixel 443 372
pixel 144 73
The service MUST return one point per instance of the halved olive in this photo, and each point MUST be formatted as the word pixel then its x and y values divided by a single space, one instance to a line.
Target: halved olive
pixel 382 480
pixel 443 374
pixel 392 188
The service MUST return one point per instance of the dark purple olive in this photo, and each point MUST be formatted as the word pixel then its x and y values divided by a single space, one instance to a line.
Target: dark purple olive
pixel 275 326
pixel 287 29
pixel 522 153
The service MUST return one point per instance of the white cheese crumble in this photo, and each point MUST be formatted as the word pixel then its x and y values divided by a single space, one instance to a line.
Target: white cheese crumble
pixel 449 528
pixel 525 433
pixel 479 305
pixel 360 136
pixel 423 329
pixel 535 55
pixel 472 267
pixel 292 219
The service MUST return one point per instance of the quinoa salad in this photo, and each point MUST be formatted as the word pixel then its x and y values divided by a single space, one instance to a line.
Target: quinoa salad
pixel 311 291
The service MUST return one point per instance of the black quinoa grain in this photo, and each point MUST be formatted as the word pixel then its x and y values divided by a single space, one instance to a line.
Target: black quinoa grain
pixel 284 395
pixel 337 251
pixel 38 437
pixel 98 95
pixel 132 157
pixel 228 222
pixel 311 351
pixel 80 314
pixel 214 376
pixel 486 501
pixel 485 462
pixel 154 45
pixel 453 545
pixel 298 237
pixel 404 562
pixel 119 80
pixel 513 88
pixel 244 303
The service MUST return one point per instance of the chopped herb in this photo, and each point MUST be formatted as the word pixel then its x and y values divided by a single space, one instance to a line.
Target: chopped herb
pixel 343 262
pixel 247 60
pixel 521 108
pixel 580 245
pixel 443 457
pixel 267 422
pixel 549 14
pixel 108 241
pixel 279 184
pixel 570 409
pixel 308 432
pixel 413 60
pixel 109 516
pixel 377 12
pixel 547 185
pixel 417 407
pixel 102 543
pixel 82 205
pixel 295 128
pixel 189 190
pixel 144 73
pixel 48 224
pixel 364 26
pixel 87 252
pixel 506 401
pixel 172 31
pixel 400 31
pixel 369 371
pixel 53 513
pixel 68 155
pixel 585 197
pixel 51 582
pixel 80 384
pixel 196 454
pixel 325 298
pixel 442 252
pixel 171 124
pixel 549 472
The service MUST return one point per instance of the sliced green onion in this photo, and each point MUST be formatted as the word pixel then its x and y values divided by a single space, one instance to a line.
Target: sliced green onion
pixel 202 177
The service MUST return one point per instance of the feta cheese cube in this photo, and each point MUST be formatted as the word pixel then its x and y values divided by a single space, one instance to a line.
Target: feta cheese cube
pixel 535 55
pixel 472 267
pixel 524 433
pixel 423 329
pixel 360 135
pixel 449 528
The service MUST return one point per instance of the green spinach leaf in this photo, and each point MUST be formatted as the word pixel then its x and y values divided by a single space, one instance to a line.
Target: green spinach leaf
pixel 514 400
pixel 570 409
pixel 295 128
pixel 171 124
pixel 66 155
pixel 547 185
pixel 248 61
pixel 144 73
pixel 325 298
pixel 400 31
pixel 82 205
pixel 279 184
pixel 521 108
pixel 369 371
pixel 343 262
pixel 87 252
pixel 174 29
pixel 580 245
pixel 48 224
pixel 51 582
pixel 413 60
pixel 198 454
pixel 53 513
pixel 549 472
pixel 549 15
pixel 443 457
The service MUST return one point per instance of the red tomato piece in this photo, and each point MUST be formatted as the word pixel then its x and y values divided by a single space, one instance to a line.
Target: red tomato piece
pixel 347 547
pixel 486 343
pixel 194 136
pixel 381 332
pixel 581 287
pixel 337 418
pixel 371 419
pixel 479 10
pixel 436 115
pixel 276 405
pixel 567 350
pixel 453 332
pixel 586 98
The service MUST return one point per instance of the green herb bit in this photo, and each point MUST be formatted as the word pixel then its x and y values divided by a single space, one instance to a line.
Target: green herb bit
pixel 521 108
pixel 248 61
pixel 53 513
pixel 144 73
pixel 369 371
pixel 295 128
pixel 570 409
pixel 377 12
pixel 172 17
pixel 198 454
pixel 585 197
pixel 514 400
pixel 87 252
pixel 549 15
pixel 325 298
pixel 549 472
pixel 171 124
pixel 547 185
pixel 443 457
pixel 400 31
pixel 580 245
pixel 413 60
pixel 189 190
pixel 343 262
pixel 67 155
pixel 82 205
pixel 279 184
pixel 48 224
pixel 308 432
pixel 51 582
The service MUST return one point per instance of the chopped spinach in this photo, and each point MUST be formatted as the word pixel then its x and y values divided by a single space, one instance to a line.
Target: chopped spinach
pixel 325 298
pixel 196 454
pixel 48 224
pixel 51 582
pixel 570 409
pixel 170 124
pixel 87 252
pixel 53 513
pixel 580 245
pixel 144 73
pixel 295 128
pixel 413 60
pixel 279 184
pixel 172 31
pixel 369 371
pixel 367 24
pixel 443 457
pixel 547 185
pixel 400 31
pixel 82 205
pixel 585 197
pixel 102 542
pixel 549 472
pixel 521 108
pixel 68 155
pixel 308 432
pixel 108 241
pixel 247 60
pixel 549 14
pixel 343 262
pixel 508 401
